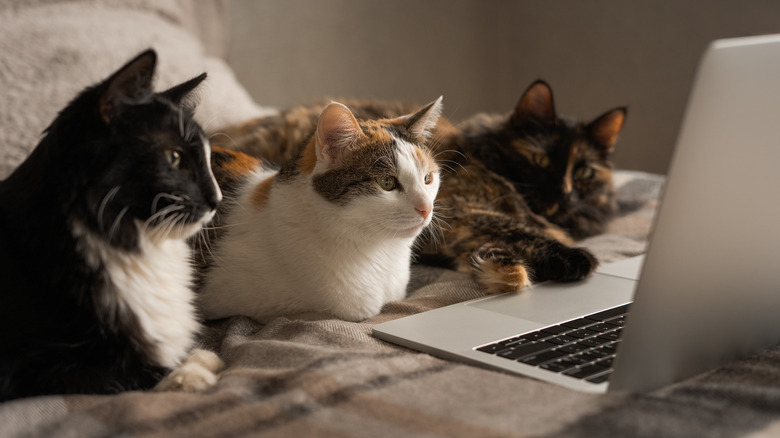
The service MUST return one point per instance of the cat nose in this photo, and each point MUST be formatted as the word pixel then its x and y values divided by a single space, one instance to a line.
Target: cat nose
pixel 424 210
pixel 214 198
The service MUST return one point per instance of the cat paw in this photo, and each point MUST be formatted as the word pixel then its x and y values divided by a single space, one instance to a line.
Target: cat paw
pixel 571 264
pixel 498 271
pixel 197 372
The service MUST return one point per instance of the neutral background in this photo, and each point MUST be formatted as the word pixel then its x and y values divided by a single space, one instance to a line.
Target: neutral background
pixel 482 54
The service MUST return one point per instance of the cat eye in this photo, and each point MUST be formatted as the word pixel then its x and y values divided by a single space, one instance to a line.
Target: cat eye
pixel 584 173
pixel 173 157
pixel 387 182
pixel 428 178
pixel 541 160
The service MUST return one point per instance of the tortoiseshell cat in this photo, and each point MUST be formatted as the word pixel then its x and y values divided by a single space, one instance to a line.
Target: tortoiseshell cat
pixel 332 230
pixel 96 274
pixel 522 187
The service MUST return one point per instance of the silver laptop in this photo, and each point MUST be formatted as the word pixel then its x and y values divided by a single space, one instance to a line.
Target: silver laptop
pixel 709 289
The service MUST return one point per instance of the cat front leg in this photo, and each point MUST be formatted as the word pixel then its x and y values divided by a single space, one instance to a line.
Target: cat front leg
pixel 553 260
pixel 498 269
pixel 197 372
pixel 504 255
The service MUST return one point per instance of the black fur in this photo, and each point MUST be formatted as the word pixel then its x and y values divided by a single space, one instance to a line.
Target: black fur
pixel 590 204
pixel 59 332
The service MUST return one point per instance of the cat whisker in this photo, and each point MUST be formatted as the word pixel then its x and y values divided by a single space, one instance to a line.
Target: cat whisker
pixel 445 164
pixel 205 247
pixel 106 199
pixel 170 223
pixel 115 225
pixel 450 151
pixel 435 231
pixel 222 227
pixel 207 124
pixel 164 195
pixel 161 214
pixel 222 134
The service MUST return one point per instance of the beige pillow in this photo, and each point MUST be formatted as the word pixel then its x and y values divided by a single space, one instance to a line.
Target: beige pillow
pixel 51 51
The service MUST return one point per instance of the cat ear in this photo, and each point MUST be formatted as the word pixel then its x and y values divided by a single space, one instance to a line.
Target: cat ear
pixel 605 129
pixel 337 131
pixel 131 82
pixel 182 94
pixel 536 104
pixel 421 123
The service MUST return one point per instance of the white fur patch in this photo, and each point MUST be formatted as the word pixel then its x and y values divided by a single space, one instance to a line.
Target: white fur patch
pixel 207 150
pixel 155 284
pixel 302 253
pixel 196 373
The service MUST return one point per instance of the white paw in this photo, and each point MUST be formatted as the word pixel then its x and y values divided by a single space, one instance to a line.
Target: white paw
pixel 197 372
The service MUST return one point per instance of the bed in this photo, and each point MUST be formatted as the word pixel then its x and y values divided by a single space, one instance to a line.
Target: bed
pixel 298 377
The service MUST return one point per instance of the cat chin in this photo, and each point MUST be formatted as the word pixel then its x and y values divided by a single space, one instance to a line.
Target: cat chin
pixel 410 232
pixel 182 232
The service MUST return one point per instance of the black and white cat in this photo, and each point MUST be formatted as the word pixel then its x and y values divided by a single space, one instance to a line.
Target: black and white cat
pixel 95 271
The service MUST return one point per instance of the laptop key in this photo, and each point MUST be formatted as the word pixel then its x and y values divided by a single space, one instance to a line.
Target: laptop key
pixel 599 379
pixel 492 348
pixel 559 365
pixel 598 353
pixel 591 342
pixel 611 336
pixel 601 327
pixel 609 314
pixel 586 371
pixel 517 341
pixel 573 348
pixel 543 357
pixel 578 323
pixel 526 350
pixel 606 362
pixel 561 340
pixel 580 359
pixel 620 321
pixel 535 336
pixel 556 330
pixel 582 333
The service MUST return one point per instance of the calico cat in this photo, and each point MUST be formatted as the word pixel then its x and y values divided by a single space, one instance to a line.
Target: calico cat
pixel 96 273
pixel 538 181
pixel 332 230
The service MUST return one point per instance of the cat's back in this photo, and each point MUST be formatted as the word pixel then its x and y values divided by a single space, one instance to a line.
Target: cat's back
pixel 279 138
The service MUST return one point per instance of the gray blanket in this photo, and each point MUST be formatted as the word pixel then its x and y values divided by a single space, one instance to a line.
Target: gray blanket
pixel 295 377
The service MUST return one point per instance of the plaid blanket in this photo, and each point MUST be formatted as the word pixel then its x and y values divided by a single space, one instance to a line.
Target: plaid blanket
pixel 297 377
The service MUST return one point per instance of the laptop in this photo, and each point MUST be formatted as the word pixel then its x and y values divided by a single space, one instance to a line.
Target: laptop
pixel 706 292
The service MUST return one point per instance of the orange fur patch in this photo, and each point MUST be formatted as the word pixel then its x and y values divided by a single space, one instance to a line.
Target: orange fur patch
pixel 527 149
pixel 568 178
pixel 309 158
pixel 559 235
pixel 424 156
pixel 240 164
pixel 261 192
pixel 375 131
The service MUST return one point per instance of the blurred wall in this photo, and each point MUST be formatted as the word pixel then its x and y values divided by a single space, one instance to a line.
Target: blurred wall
pixel 482 54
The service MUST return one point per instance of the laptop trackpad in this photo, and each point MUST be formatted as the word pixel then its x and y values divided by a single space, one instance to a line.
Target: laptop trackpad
pixel 552 303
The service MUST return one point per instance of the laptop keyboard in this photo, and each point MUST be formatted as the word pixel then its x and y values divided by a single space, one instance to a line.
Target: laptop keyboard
pixel 583 348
